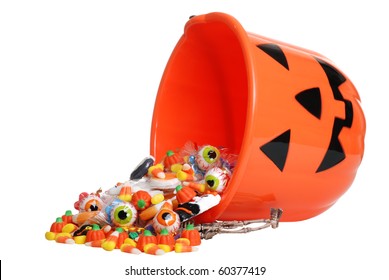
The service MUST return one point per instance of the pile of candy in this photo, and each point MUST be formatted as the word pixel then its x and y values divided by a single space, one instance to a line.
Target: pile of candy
pixel 153 211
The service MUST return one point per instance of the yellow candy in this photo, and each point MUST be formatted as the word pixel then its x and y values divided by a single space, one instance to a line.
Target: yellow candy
pixel 153 249
pixel 164 247
pixel 69 228
pixel 157 198
pixel 182 240
pixel 64 240
pixel 125 197
pixel 80 239
pixel 63 234
pixel 108 245
pixel 157 166
pixel 129 241
pixel 182 176
pixel 125 193
pixel 50 235
pixel 182 248
pixel 111 241
pixel 176 167
pixel 127 248
pixel 148 246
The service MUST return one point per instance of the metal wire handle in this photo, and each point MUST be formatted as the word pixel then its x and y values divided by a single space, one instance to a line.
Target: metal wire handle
pixel 209 230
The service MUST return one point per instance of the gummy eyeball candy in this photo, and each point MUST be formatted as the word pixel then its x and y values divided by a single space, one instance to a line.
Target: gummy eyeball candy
pixel 88 202
pixel 207 156
pixel 216 179
pixel 121 214
pixel 166 218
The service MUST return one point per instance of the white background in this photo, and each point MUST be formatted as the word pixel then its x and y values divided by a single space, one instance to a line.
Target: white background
pixel 78 81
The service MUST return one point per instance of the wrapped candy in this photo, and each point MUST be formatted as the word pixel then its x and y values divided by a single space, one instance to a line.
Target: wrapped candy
pixel 198 205
pixel 156 201
pixel 216 179
pixel 121 213
pixel 88 202
pixel 167 219
pixel 88 205
pixel 205 157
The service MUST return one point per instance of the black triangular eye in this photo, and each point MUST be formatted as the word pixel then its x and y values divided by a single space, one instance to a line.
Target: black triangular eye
pixel 277 149
pixel 310 99
pixel 275 52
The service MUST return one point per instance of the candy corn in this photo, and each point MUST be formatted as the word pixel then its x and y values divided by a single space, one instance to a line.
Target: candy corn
pixel 63 234
pixel 187 169
pixel 123 235
pixel 110 243
pixel 130 241
pixel 95 243
pixel 183 176
pixel 153 249
pixel 107 230
pixel 176 167
pixel 182 240
pixel 64 239
pixel 127 248
pixel 199 187
pixel 182 248
pixel 166 248
pixel 156 171
pixel 125 193
pixel 79 239
pixel 69 228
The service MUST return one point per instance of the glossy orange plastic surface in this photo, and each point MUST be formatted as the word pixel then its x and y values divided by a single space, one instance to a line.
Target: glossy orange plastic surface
pixel 292 117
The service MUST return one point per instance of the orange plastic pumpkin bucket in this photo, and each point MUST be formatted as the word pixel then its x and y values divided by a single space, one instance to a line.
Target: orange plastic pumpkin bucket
pixel 292 117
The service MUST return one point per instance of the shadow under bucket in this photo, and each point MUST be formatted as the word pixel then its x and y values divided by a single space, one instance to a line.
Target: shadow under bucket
pixel 293 119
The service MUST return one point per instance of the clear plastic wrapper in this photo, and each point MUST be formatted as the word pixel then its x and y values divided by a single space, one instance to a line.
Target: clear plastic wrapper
pixel 159 197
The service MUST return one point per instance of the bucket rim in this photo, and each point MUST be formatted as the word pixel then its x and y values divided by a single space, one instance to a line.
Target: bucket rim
pixel 246 46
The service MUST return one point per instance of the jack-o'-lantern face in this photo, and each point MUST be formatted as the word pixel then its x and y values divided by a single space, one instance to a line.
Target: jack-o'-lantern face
pixel 308 135
pixel 290 115
pixel 315 111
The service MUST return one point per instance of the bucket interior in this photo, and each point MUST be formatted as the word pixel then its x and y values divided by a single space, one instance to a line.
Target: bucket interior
pixel 203 95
